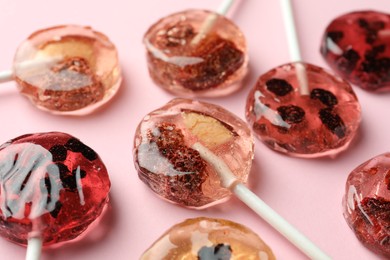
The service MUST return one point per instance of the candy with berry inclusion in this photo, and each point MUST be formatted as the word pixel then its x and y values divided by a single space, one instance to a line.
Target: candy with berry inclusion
pixel 367 203
pixel 196 53
pixel 208 239
pixel 173 169
pixel 52 187
pixel 322 122
pixel 357 46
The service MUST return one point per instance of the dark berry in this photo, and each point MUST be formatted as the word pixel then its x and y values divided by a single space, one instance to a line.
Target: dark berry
pixel 291 114
pixel 279 87
pixel 347 62
pixel 333 122
pixel 362 23
pixel 218 252
pixel 58 152
pixel 67 178
pixel 336 36
pixel 326 97
pixel 78 147
pixel 56 210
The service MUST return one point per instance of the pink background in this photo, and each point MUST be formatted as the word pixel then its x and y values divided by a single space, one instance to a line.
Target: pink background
pixel 306 192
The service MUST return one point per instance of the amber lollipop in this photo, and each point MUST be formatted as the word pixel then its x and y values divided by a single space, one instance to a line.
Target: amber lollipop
pixel 68 70
pixel 197 154
pixel 301 110
pixel 197 53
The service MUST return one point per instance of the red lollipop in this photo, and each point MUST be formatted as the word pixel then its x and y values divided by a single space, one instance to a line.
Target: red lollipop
pixel 52 187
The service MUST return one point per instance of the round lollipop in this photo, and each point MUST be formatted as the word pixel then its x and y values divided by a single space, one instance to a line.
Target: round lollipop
pixel 52 187
pixel 301 110
pixel 196 154
pixel 357 46
pixel 197 53
pixel 207 238
pixel 66 69
pixel 367 203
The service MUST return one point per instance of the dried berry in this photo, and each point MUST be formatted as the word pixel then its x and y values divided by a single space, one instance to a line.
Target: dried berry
pixel 76 146
pixel 218 252
pixel 348 61
pixel 336 36
pixel 58 152
pixel 326 97
pixel 279 87
pixel 333 122
pixel 291 114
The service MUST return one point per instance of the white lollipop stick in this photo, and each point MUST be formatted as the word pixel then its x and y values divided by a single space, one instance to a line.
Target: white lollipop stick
pixel 293 45
pixel 211 19
pixel 7 75
pixel 228 180
pixel 34 248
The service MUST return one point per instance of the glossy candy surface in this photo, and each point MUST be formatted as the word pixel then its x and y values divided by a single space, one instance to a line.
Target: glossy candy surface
pixel 367 203
pixel 357 46
pixel 67 69
pixel 196 53
pixel 167 163
pixel 209 239
pixel 321 123
pixel 51 185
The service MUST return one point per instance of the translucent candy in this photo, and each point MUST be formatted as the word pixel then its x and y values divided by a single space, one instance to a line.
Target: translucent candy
pixel 52 186
pixel 67 69
pixel 321 123
pixel 196 53
pixel 209 239
pixel 367 203
pixel 167 163
pixel 357 46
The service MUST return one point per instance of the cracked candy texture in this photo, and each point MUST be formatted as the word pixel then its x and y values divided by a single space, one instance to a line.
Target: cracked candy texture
pixel 367 203
pixel 67 69
pixel 167 163
pixel 178 62
pixel 357 46
pixel 321 123
pixel 205 239
pixel 52 186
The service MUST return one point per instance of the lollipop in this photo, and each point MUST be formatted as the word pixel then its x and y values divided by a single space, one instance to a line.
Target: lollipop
pixel 367 203
pixel 301 110
pixel 52 187
pixel 196 154
pixel 206 238
pixel 66 69
pixel 357 46
pixel 197 53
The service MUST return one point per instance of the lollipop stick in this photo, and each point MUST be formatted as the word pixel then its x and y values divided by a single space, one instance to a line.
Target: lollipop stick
pixel 34 248
pixel 211 19
pixel 293 45
pixel 228 180
pixel 6 75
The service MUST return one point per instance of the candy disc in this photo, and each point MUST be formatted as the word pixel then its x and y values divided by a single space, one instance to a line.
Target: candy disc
pixel 67 69
pixel 367 203
pixel 208 239
pixel 167 162
pixel 322 122
pixel 357 46
pixel 196 53
pixel 51 185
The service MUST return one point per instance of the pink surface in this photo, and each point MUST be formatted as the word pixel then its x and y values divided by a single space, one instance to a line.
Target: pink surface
pixel 307 193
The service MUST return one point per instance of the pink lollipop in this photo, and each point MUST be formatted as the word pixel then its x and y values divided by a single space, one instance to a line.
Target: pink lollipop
pixel 52 187
pixel 196 154
pixel 367 203
pixel 301 110
pixel 66 69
